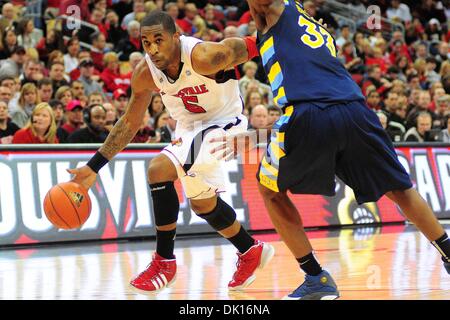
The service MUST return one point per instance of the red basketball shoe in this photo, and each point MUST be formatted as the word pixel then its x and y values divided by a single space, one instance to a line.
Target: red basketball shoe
pixel 160 273
pixel 256 257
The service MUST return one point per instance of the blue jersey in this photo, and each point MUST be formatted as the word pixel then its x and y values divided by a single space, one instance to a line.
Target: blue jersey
pixel 299 56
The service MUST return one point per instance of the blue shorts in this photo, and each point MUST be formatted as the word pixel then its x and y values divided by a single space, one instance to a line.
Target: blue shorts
pixel 312 144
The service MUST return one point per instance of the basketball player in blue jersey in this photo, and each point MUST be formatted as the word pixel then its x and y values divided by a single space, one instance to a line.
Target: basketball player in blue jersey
pixel 326 130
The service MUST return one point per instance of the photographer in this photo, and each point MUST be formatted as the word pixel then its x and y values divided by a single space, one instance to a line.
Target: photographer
pixel 95 132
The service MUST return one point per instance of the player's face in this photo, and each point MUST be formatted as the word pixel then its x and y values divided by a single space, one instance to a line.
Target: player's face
pixel 160 45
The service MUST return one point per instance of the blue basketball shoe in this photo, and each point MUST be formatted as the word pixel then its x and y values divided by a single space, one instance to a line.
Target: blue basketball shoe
pixel 320 287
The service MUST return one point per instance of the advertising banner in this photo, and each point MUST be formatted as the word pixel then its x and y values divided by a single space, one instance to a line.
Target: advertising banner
pixel 122 205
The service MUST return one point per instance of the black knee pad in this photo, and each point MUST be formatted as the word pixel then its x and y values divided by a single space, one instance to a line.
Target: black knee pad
pixel 165 203
pixel 222 217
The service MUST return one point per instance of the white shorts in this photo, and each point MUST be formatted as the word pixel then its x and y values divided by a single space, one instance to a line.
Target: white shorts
pixel 201 174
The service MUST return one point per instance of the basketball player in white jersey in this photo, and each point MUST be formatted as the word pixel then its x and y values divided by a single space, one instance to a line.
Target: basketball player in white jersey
pixel 191 77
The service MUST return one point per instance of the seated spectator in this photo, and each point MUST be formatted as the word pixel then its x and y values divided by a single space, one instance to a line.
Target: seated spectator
pixel 131 43
pixel 165 126
pixel 7 17
pixel 252 99
pixel 95 98
pixel 98 49
pixel 9 42
pixel 87 77
pixel 423 105
pixel 64 94
pixel 95 131
pixel 29 98
pixel 121 102
pixel 111 115
pixel 5 94
pixel 111 76
pixel 373 100
pixel 138 7
pixel 399 10
pixel 442 112
pixel 11 66
pixel 31 72
pixel 28 36
pixel 41 127
pixel 58 110
pixel 349 59
pixel 74 120
pixel 258 117
pixel 57 75
pixel 45 88
pixel 156 106
pixel 7 127
pixel 52 42
pixel 273 115
pixel 443 54
pixel 344 37
pixel 187 23
pixel 445 133
pixel 77 88
pixel 145 133
pixel 375 78
pixel 418 132
pixel 115 31
pixel 383 119
pixel 71 57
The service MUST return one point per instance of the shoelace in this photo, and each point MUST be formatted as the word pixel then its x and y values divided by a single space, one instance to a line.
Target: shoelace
pixel 242 260
pixel 154 264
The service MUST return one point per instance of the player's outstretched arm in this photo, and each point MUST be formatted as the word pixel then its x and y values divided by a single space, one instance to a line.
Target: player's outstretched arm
pixel 123 131
pixel 208 58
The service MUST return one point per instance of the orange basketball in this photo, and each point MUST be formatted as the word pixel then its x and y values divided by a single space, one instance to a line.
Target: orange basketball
pixel 67 205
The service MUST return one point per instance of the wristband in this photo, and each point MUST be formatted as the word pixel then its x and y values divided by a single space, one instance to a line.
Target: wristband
pixel 252 49
pixel 97 162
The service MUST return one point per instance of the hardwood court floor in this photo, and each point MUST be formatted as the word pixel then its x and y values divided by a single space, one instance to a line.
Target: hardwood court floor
pixel 368 263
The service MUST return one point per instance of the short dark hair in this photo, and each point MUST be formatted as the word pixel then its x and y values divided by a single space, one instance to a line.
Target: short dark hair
pixel 157 17
pixel 44 82
pixel 275 108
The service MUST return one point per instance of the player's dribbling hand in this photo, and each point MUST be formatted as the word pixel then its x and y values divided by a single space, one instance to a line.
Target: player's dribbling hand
pixel 229 147
pixel 83 176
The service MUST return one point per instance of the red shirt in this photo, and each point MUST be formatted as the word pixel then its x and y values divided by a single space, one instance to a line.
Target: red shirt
pixel 27 136
pixel 115 81
pixel 69 128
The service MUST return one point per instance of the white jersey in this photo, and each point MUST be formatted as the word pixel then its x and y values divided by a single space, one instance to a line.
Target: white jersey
pixel 194 97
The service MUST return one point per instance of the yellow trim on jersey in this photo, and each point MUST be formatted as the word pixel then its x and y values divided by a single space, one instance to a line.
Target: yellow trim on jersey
pixel 268 183
pixel 272 170
pixel 275 70
pixel 276 151
pixel 267 45
pixel 288 112
pixel 281 94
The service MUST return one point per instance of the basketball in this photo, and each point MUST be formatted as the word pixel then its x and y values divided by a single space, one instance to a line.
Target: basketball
pixel 67 205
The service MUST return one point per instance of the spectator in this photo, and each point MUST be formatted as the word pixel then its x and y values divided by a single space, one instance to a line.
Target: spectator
pixel 58 110
pixel 252 99
pixel 64 94
pixel 443 54
pixel 383 119
pixel 165 126
pixel 87 77
pixel 52 42
pixel 273 116
pixel 7 19
pixel 345 36
pixel 45 88
pixel 130 44
pixel 430 71
pixel 445 133
pixel 5 94
pixel 442 111
pixel 29 98
pixel 399 10
pixel 434 32
pixel 77 88
pixel 71 57
pixel 230 32
pixel 95 98
pixel 12 66
pixel 373 100
pixel 115 31
pixel 31 72
pixel 98 49
pixel 418 132
pixel 57 75
pixel 258 117
pixel 95 131
pixel 145 133
pixel 138 7
pixel 422 106
pixel 74 120
pixel 120 101
pixel 40 129
pixel 29 36
pixel 7 127
pixel 375 78
pixel 187 23
pixel 111 115
pixel 436 92
pixel 250 68
pixel 111 76
pixel 9 42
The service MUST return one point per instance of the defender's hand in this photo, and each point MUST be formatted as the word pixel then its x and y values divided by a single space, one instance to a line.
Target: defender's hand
pixel 229 147
pixel 83 176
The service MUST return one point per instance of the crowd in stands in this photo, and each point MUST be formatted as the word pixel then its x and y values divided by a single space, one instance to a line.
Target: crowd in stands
pixel 65 85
